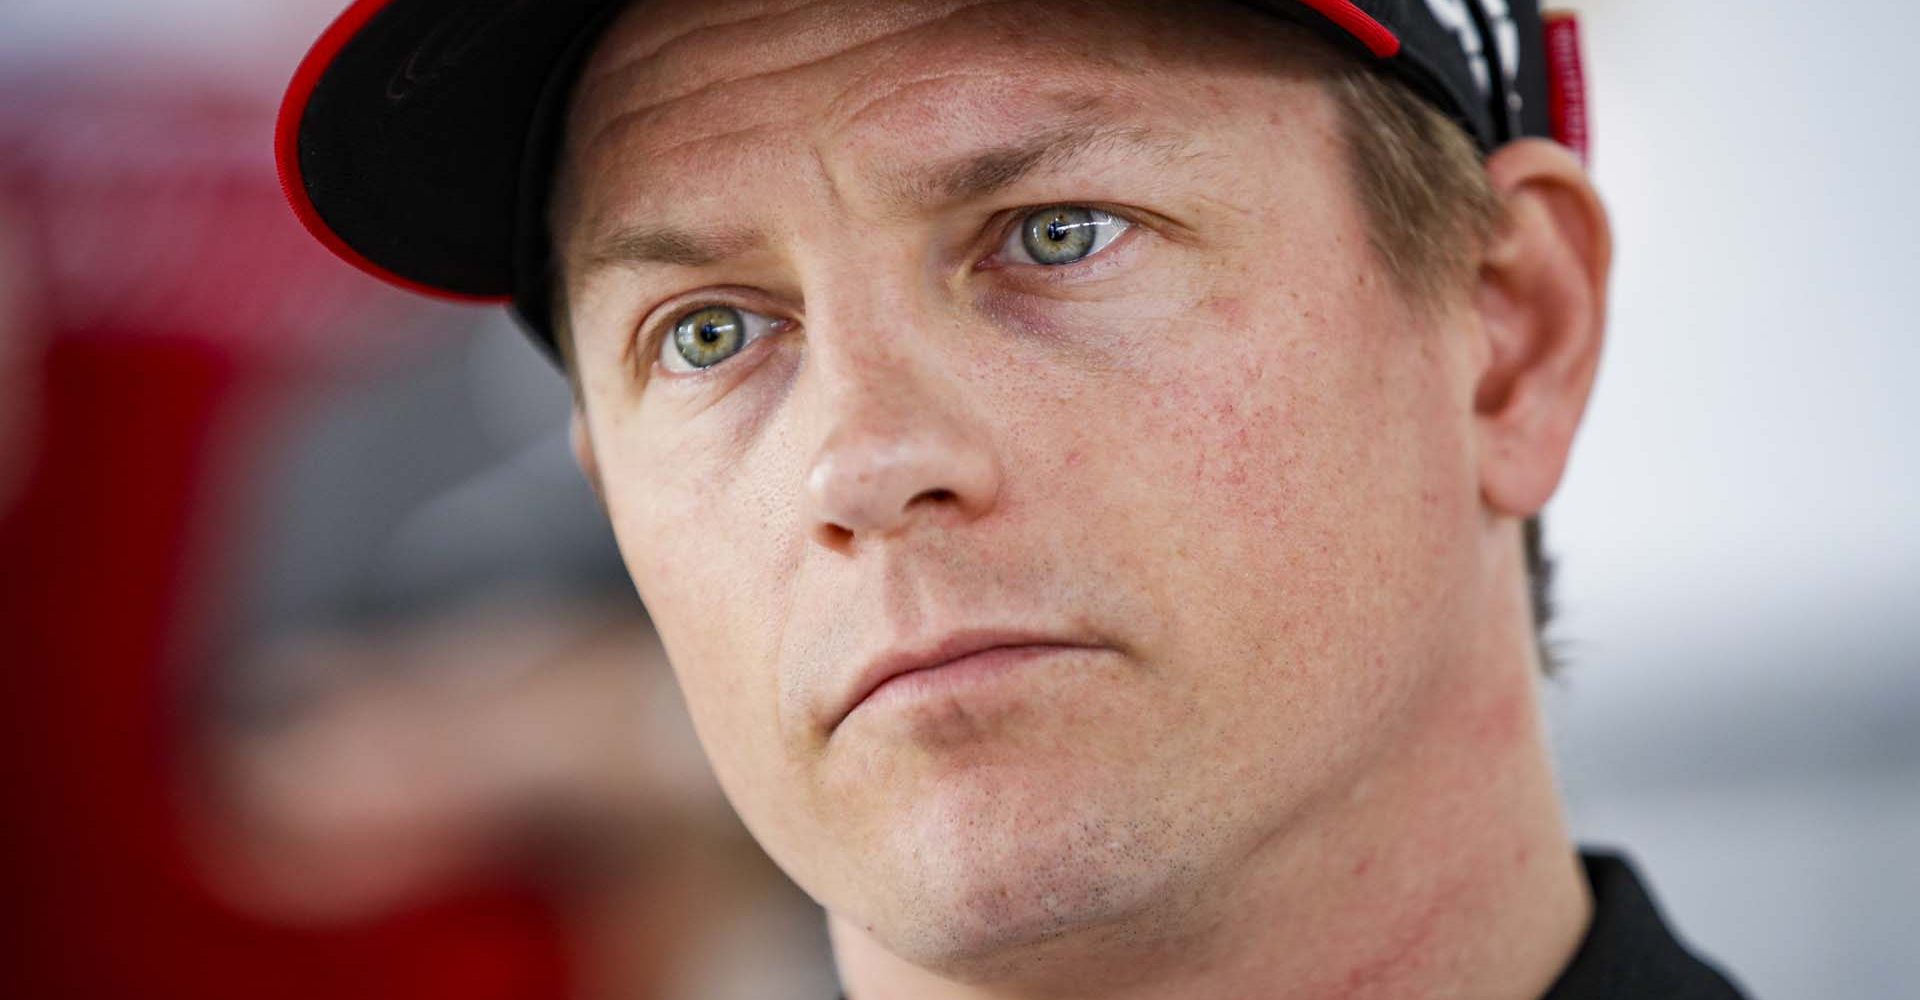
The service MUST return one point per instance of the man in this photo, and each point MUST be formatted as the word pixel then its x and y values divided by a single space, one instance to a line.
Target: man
pixel 1077 455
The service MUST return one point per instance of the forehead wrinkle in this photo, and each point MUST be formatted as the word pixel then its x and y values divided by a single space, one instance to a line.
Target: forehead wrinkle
pixel 697 30
pixel 841 114
pixel 630 74
pixel 630 61
pixel 595 217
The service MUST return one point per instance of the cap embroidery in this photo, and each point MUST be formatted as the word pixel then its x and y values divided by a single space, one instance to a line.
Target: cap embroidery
pixel 447 45
pixel 1454 16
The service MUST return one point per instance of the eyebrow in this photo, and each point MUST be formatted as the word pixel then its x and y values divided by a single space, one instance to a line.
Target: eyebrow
pixel 638 246
pixel 969 177
pixel 978 175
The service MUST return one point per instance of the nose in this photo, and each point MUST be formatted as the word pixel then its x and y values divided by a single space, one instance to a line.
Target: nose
pixel 896 455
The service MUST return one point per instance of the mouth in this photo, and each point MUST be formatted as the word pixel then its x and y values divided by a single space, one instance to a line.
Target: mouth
pixel 947 661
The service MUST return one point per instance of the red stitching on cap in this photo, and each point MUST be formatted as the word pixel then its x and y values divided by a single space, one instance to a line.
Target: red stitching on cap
pixel 1360 24
pixel 1567 86
pixel 286 145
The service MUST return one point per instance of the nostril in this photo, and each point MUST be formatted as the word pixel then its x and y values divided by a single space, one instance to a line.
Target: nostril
pixel 935 496
pixel 835 536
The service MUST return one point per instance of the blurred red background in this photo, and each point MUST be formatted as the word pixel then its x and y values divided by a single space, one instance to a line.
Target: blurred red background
pixel 162 301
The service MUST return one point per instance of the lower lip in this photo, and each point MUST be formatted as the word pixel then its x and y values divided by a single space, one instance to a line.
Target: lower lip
pixel 959 676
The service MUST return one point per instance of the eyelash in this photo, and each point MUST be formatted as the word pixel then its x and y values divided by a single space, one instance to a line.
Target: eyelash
pixel 651 337
pixel 1009 230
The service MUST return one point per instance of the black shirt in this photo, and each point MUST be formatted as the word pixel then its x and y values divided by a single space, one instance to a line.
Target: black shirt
pixel 1629 954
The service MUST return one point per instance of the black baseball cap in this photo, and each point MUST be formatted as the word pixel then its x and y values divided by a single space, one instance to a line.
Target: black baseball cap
pixel 418 139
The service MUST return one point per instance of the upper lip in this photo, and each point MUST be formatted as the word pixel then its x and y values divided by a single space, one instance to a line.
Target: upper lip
pixel 933 652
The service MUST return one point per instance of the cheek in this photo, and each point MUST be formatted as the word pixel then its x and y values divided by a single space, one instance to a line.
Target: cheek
pixel 711 622
pixel 1304 491
pixel 706 556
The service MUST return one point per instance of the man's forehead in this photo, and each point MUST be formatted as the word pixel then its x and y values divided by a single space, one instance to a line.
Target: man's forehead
pixel 745 65
pixel 684 94
pixel 657 60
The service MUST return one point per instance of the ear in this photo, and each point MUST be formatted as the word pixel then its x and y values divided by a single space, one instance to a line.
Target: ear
pixel 1542 299
pixel 582 440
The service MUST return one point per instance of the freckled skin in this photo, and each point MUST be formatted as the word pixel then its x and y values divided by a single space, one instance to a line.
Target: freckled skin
pixel 1231 457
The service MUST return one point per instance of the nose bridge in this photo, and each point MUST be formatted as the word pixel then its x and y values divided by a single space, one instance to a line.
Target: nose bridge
pixel 871 319
pixel 899 436
pixel 861 329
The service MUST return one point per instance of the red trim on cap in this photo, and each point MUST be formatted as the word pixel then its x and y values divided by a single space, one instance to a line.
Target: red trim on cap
pixel 1567 85
pixel 286 145
pixel 1360 24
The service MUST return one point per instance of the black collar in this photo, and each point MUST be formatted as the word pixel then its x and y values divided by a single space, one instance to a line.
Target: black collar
pixel 1629 951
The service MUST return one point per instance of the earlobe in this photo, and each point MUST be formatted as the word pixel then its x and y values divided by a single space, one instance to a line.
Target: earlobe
pixel 1542 303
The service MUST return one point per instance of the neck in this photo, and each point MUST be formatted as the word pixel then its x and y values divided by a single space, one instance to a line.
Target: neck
pixel 1446 870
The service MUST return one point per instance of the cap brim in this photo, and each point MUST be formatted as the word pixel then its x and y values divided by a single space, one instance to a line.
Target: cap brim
pixel 403 138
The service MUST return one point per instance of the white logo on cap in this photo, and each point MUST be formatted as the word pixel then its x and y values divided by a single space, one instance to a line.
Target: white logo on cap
pixel 1455 17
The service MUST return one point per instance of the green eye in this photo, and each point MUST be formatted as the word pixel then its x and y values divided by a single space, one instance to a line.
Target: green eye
pixel 1065 234
pixel 708 336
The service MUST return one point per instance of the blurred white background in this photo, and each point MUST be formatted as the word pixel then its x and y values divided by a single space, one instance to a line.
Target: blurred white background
pixel 1740 534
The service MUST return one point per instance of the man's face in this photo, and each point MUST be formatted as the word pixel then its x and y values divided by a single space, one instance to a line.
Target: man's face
pixel 1055 325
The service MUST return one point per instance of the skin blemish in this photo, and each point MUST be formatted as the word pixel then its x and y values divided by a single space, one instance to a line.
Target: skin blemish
pixel 1226 312
pixel 1504 722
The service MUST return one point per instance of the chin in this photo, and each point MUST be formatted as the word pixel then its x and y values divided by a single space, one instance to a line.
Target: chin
pixel 978 886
